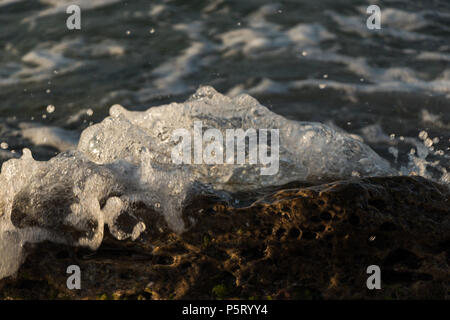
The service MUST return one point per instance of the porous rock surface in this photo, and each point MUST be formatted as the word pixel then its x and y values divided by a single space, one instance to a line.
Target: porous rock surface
pixel 298 242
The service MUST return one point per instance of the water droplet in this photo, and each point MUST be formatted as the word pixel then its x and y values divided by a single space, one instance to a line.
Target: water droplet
pixel 428 142
pixel 51 108
pixel 423 135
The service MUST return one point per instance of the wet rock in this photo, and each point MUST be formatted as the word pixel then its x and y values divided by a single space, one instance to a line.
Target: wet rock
pixel 295 243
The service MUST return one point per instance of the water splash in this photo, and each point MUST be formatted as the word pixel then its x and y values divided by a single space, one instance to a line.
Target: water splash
pixel 126 159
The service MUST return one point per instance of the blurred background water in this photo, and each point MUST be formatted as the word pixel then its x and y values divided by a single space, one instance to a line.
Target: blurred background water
pixel 307 60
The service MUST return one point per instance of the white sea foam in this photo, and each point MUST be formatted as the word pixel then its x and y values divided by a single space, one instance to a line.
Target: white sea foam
pixel 58 138
pixel 127 159
pixel 64 57
pixel 257 38
pixel 40 63
pixel 393 79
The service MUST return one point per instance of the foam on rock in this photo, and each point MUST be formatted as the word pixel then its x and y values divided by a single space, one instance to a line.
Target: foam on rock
pixel 126 159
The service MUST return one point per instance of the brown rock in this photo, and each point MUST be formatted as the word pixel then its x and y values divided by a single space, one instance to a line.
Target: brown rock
pixel 298 243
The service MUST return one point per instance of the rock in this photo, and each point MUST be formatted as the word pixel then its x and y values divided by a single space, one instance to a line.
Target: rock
pixel 295 243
